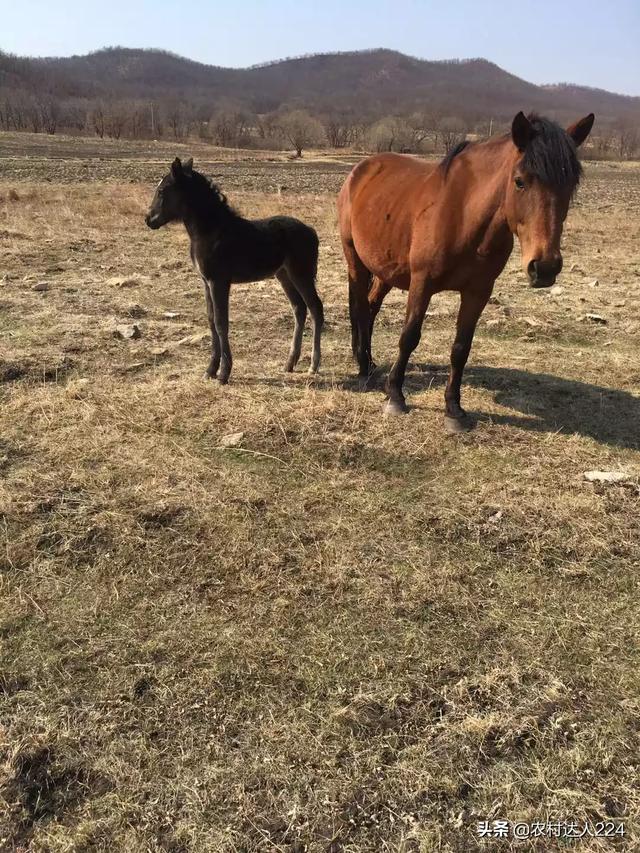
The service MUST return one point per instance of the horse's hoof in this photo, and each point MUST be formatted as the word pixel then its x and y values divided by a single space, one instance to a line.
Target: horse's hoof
pixel 395 407
pixel 288 368
pixel 454 426
pixel 223 380
pixel 206 375
pixel 312 371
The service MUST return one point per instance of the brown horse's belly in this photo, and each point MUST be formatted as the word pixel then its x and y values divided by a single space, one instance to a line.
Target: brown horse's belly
pixel 386 196
pixel 384 256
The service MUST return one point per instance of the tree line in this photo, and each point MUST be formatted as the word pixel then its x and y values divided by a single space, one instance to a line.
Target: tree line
pixel 231 125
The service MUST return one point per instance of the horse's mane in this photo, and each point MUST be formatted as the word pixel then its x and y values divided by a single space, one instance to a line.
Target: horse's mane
pixel 550 156
pixel 210 195
pixel 448 159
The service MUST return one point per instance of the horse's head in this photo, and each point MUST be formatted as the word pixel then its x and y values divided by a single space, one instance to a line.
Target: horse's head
pixel 169 201
pixel 543 176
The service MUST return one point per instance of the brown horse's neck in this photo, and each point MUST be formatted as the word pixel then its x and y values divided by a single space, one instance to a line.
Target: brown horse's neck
pixel 488 163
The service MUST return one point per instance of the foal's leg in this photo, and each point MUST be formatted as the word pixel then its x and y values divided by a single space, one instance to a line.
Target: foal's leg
pixel 471 307
pixel 306 287
pixel 214 364
pixel 220 293
pixel 300 314
pixel 417 304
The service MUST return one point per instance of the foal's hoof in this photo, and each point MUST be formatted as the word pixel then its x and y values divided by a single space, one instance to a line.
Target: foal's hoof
pixel 208 376
pixel 395 407
pixel 454 426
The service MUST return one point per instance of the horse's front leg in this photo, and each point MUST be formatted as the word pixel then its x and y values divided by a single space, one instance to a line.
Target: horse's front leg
pixel 417 304
pixel 214 364
pixel 220 295
pixel 472 304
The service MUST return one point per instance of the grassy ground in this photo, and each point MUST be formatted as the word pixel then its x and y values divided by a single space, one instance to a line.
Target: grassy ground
pixel 344 634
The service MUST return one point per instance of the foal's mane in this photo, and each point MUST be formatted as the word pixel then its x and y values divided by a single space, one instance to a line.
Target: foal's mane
pixel 206 192
pixel 550 155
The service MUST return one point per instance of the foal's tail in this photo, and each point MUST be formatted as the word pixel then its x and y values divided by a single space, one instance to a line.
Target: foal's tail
pixel 313 249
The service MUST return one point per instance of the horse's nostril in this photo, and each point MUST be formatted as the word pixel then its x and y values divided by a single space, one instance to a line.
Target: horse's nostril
pixel 532 269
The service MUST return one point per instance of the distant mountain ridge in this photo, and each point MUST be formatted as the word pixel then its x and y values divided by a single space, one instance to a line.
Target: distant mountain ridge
pixel 373 83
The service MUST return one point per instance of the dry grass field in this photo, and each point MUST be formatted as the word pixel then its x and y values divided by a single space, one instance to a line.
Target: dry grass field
pixel 345 633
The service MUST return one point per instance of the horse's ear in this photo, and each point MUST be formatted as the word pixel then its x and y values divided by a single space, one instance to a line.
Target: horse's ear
pixel 522 131
pixel 176 167
pixel 187 166
pixel 581 129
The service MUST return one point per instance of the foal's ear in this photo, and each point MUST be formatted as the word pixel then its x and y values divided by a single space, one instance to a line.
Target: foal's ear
pixel 522 131
pixel 187 166
pixel 176 167
pixel 581 129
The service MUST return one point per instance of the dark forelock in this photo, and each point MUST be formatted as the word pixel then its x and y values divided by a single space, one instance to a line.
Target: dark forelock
pixel 551 155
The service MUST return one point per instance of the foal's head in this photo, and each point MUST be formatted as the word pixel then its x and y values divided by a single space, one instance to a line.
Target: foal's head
pixel 544 173
pixel 169 202
pixel 183 192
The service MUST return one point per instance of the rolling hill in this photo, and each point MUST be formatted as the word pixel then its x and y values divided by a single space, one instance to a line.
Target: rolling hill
pixel 372 83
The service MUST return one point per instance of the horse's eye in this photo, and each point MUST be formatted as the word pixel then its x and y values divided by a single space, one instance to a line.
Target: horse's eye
pixel 519 183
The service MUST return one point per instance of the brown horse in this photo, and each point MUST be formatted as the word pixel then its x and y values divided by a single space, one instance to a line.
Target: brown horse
pixel 426 228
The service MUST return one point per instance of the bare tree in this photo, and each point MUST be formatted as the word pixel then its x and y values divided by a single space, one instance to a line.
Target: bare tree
pixel 49 113
pixel 98 120
pixel 628 139
pixel 340 131
pixel 115 119
pixel 138 117
pixel 178 118
pixel 34 115
pixel 13 112
pixel 229 127
pixel 300 130
pixel 267 126
pixel 452 131
pixel 391 134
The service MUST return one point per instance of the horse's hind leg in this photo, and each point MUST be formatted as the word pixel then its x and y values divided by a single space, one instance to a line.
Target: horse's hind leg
pixel 300 315
pixel 359 281
pixel 377 294
pixel 417 304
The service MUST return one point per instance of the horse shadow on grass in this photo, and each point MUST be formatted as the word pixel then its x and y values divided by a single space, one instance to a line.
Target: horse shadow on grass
pixel 541 402
pixel 547 403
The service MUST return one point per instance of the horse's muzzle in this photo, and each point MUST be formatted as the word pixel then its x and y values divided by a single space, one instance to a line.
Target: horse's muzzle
pixel 153 221
pixel 544 273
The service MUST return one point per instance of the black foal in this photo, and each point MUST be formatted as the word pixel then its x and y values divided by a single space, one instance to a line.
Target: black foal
pixel 227 249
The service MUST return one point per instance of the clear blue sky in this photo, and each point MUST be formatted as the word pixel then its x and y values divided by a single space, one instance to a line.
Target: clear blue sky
pixel 544 41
